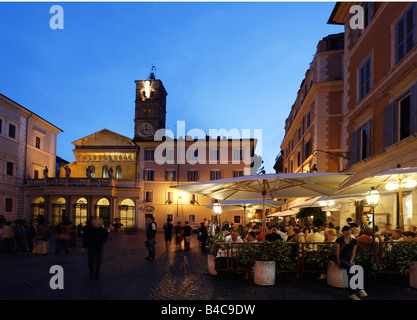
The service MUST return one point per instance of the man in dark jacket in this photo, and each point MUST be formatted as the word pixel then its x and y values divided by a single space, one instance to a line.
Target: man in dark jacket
pixel 94 237
pixel 203 234
pixel 150 238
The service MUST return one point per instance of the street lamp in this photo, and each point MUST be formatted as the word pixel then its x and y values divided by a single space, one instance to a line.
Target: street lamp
pixel 372 198
pixel 217 208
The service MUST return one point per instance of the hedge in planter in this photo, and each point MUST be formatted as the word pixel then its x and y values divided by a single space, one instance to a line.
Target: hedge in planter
pixel 397 257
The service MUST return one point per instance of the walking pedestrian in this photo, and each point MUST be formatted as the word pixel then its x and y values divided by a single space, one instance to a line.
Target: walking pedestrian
pixel 94 237
pixel 168 227
pixel 62 235
pixel 150 238
pixel 203 234
pixel 187 236
pixel 179 234
pixel 8 237
pixel 345 247
pixel 31 232
pixel 44 235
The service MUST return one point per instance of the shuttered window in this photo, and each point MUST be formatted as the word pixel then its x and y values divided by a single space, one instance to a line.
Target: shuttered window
pixel 405 33
pixel 365 78
pixel 400 118
pixel 360 143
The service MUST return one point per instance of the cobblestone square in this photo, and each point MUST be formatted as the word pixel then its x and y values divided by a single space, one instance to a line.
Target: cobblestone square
pixel 173 275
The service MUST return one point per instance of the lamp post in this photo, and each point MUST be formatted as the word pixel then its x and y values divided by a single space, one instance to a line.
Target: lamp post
pixel 217 208
pixel 372 198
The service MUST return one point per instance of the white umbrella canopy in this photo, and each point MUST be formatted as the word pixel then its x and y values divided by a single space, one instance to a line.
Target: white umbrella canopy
pixel 283 213
pixel 230 205
pixel 269 186
pixel 394 180
pixel 383 182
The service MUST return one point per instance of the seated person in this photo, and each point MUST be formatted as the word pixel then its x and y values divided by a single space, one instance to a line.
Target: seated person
pixel 315 236
pixel 273 236
pixel 234 238
pixel 365 239
pixel 387 233
pixel 409 236
pixel 397 235
pixel 251 237
pixel 355 232
pixel 331 235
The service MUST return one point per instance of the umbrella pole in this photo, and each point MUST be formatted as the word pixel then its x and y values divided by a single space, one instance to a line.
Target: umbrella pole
pixel 263 214
pixel 400 222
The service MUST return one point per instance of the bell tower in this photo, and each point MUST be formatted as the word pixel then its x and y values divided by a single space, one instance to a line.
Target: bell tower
pixel 150 107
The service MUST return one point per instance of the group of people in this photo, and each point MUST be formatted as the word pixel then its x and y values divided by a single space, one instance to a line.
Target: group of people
pixel 27 238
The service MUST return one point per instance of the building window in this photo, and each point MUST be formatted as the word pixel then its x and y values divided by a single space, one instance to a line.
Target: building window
pixel 299 134
pixel 364 142
pixel 38 142
pixel 298 159
pixel 400 118
pixel 12 131
pixel 148 196
pixel 9 205
pixel 170 197
pixel 149 175
pixel 404 115
pixel 192 175
pixel 1 126
pixel 36 174
pixel 365 78
pixel 170 155
pixel 93 172
pixel 307 149
pixel 9 168
pixel 105 172
pixel 405 33
pixel 360 143
pixel 171 175
pixel 291 166
pixel 237 173
pixel 308 120
pixel 214 154
pixel 119 172
pixel 149 155
pixel 237 154
pixel 214 175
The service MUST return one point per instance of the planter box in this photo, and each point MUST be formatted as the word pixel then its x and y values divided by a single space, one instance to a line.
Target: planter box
pixel 264 273
pixel 211 263
pixel 336 276
pixel 413 275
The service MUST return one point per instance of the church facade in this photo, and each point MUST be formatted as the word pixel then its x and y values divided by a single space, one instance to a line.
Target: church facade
pixel 129 179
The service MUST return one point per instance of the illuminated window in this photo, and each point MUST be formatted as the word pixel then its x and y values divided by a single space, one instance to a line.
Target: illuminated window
pixel 118 172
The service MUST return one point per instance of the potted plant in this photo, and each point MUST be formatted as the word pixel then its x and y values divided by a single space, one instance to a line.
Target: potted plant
pixel 265 266
pixel 213 246
pixel 117 225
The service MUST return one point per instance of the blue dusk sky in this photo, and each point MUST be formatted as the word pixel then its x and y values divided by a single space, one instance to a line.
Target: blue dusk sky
pixel 224 64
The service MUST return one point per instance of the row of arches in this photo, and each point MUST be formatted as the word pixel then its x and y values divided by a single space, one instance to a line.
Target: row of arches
pixel 79 213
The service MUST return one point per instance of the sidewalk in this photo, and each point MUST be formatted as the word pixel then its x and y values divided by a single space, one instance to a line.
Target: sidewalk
pixel 173 275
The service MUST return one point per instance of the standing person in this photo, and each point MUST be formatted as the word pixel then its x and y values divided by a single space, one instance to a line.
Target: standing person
pixel 20 235
pixel 168 227
pixel 202 232
pixel 187 236
pixel 365 223
pixel 212 229
pixel 345 247
pixel 94 237
pixel 8 237
pixel 351 224
pixel 179 235
pixel 150 238
pixel 62 237
pixel 44 235
pixel 31 236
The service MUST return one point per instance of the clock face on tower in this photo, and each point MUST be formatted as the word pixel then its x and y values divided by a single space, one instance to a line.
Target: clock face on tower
pixel 146 129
